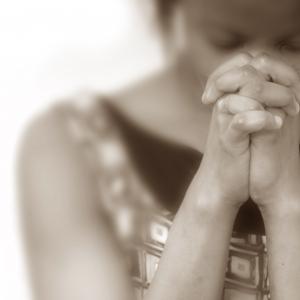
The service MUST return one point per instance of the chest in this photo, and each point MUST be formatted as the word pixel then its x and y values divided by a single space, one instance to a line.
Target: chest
pixel 142 181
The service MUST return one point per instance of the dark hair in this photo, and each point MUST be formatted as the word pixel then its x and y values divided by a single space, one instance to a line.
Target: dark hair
pixel 164 11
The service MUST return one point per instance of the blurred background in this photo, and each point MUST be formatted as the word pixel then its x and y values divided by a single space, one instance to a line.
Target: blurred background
pixel 51 50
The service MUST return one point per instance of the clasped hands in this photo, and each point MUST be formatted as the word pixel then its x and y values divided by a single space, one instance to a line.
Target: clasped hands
pixel 253 142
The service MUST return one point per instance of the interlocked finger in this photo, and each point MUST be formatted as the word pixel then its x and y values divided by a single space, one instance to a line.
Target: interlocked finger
pixel 271 94
pixel 278 71
pixel 247 81
pixel 238 61
pixel 234 104
pixel 232 81
pixel 249 122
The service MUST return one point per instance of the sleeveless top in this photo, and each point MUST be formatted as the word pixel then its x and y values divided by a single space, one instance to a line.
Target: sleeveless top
pixel 142 180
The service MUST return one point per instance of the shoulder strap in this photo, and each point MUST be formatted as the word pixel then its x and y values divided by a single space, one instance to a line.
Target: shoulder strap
pixel 93 129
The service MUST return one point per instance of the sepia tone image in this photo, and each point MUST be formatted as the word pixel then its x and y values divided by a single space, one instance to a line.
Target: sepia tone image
pixel 165 165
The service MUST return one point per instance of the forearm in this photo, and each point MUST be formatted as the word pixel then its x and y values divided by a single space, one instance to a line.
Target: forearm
pixel 283 232
pixel 194 261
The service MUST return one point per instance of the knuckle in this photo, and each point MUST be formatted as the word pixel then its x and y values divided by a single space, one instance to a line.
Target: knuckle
pixel 254 105
pixel 248 71
pixel 262 59
pixel 244 57
pixel 220 105
pixel 291 96
pixel 238 121
pixel 253 88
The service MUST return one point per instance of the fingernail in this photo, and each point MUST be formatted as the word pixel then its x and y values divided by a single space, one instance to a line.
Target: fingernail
pixel 278 121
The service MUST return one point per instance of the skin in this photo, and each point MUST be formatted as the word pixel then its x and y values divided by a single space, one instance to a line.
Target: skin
pixel 237 126
pixel 274 158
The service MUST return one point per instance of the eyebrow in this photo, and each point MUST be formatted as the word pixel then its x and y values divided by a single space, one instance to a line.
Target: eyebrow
pixel 221 26
pixel 224 29
pixel 209 25
pixel 289 36
pixel 243 36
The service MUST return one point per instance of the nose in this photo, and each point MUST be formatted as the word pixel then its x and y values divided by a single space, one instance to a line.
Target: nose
pixel 255 50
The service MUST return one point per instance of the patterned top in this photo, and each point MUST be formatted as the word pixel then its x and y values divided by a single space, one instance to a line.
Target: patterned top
pixel 139 221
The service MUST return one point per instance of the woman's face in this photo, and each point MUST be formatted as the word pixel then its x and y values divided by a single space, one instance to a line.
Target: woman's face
pixel 218 29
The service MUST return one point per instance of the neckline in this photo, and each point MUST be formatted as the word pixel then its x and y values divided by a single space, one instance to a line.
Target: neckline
pixel 171 191
pixel 121 117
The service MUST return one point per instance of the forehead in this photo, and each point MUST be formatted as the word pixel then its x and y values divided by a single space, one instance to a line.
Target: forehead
pixel 251 17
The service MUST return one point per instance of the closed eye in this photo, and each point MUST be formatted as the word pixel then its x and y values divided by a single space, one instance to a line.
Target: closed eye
pixel 289 45
pixel 222 38
pixel 230 44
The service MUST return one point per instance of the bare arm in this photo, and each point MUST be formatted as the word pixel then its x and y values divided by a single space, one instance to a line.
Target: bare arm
pixel 275 187
pixel 72 252
pixel 275 163
pixel 71 249
pixel 194 261
pixel 283 231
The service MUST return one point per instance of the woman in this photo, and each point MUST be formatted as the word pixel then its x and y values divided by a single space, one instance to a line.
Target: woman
pixel 109 179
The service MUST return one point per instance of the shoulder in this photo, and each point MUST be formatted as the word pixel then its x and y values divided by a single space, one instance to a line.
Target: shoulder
pixel 51 153
pixel 63 126
pixel 56 179
pixel 69 148
pixel 42 135
pixel 45 136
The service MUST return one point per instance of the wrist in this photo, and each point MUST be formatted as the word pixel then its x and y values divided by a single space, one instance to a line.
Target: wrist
pixel 206 199
pixel 281 208
pixel 282 196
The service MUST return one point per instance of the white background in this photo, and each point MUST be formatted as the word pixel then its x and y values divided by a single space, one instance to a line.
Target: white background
pixel 48 50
